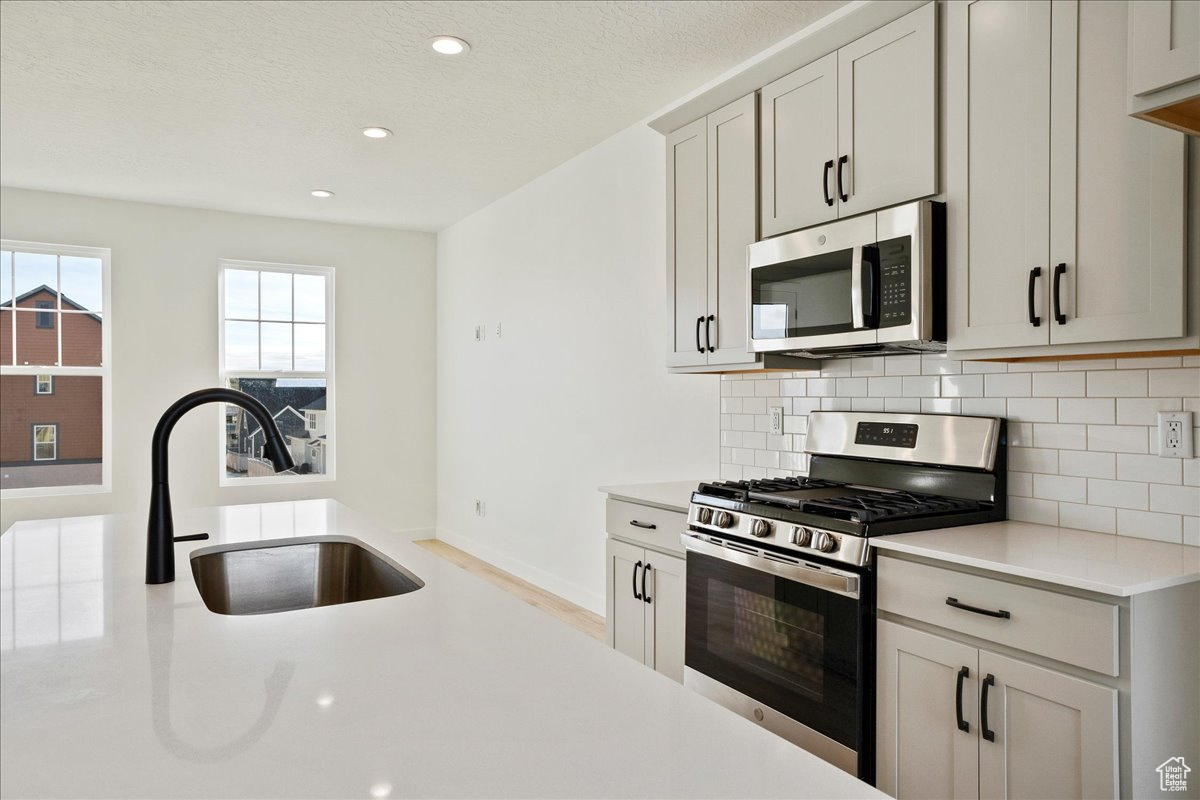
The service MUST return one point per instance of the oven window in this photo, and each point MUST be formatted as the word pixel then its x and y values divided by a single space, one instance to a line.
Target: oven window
pixel 791 646
pixel 806 297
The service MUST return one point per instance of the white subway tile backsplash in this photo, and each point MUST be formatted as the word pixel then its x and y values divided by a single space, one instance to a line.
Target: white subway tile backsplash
pixel 1060 436
pixel 1081 433
pixel 885 387
pixel 1058 487
pixel 1119 494
pixel 1117 383
pixel 902 365
pixel 1060 384
pixel 1150 525
pixel 962 386
pixel 1133 467
pixel 1094 410
pixel 1175 499
pixel 1013 384
pixel 1084 464
pixel 1175 382
pixel 1033 409
pixel 1144 410
pixel 1118 438
pixel 1087 518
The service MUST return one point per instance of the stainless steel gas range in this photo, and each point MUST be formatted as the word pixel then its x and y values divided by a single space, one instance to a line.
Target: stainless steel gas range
pixel 780 583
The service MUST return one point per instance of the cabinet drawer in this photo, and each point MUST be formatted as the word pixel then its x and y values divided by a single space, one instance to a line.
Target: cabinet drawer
pixel 663 536
pixel 1062 627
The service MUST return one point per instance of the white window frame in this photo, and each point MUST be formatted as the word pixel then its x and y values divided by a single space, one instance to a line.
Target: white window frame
pixel 52 426
pixel 37 383
pixel 104 371
pixel 224 375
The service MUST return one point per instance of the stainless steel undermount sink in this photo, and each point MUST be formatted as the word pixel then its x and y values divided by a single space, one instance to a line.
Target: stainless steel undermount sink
pixel 267 577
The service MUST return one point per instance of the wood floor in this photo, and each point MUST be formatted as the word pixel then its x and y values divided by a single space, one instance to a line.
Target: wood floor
pixel 552 604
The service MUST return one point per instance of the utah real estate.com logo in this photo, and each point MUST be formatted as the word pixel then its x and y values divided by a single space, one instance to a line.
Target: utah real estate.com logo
pixel 1172 775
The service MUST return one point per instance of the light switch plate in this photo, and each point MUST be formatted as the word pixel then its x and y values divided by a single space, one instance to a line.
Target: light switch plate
pixel 1175 434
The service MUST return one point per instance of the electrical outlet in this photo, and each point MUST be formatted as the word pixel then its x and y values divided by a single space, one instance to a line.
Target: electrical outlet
pixel 480 508
pixel 775 424
pixel 497 330
pixel 1175 434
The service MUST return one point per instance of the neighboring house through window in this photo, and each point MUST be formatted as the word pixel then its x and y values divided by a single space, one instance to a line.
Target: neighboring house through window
pixel 55 328
pixel 276 340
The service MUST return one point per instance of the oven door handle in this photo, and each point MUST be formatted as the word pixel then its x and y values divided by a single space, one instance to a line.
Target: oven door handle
pixel 816 575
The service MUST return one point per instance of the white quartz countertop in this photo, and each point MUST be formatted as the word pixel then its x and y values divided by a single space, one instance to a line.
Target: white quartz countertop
pixel 111 688
pixel 1099 562
pixel 671 495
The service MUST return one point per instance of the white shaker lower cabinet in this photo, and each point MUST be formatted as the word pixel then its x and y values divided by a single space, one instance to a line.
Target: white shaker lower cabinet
pixel 991 688
pixel 645 585
pixel 1046 734
pixel 1066 216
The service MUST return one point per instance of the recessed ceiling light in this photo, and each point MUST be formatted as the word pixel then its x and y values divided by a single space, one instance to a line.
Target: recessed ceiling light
pixel 321 193
pixel 376 133
pixel 450 45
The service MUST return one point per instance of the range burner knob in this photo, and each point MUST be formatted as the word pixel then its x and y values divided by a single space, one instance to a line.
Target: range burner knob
pixel 723 519
pixel 800 536
pixel 824 542
pixel 704 515
pixel 760 528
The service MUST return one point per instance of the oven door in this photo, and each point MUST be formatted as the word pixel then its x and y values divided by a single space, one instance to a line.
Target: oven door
pixel 814 288
pixel 782 644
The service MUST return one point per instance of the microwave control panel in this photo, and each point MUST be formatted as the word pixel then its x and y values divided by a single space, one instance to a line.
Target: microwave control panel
pixel 895 282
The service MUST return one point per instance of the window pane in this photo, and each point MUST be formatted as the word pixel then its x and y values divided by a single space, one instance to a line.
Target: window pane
pixel 35 270
pixel 5 276
pixel 70 432
pixel 277 345
pixel 82 285
pixel 276 295
pixel 6 342
pixel 36 345
pixel 241 294
pixel 310 298
pixel 241 345
pixel 82 339
pixel 298 408
pixel 310 348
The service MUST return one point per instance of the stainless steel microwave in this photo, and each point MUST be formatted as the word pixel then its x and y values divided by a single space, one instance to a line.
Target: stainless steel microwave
pixel 868 285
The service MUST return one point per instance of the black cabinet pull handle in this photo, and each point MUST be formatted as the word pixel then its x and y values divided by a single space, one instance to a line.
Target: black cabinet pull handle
pixel 1034 274
pixel 1059 316
pixel 825 182
pixel 645 591
pixel 708 332
pixel 647 525
pixel 636 567
pixel 989 681
pixel 963 725
pixel 699 322
pixel 1001 614
pixel 841 190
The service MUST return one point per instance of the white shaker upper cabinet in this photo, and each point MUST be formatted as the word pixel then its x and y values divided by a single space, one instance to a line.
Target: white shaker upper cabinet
pixel 887 114
pixel 1163 44
pixel 687 244
pixel 1117 192
pixel 998 173
pixel 799 148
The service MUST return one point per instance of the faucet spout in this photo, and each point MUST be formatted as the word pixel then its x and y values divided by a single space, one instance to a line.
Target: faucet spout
pixel 160 531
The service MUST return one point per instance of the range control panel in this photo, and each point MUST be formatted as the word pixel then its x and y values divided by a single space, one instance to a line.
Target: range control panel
pixel 886 434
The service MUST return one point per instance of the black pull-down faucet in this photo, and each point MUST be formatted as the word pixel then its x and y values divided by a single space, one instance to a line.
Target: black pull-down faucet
pixel 160 533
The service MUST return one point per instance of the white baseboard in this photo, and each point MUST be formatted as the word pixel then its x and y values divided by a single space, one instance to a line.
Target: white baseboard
pixel 412 534
pixel 543 580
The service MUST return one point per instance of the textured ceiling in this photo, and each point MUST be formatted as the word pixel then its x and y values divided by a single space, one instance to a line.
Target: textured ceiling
pixel 246 106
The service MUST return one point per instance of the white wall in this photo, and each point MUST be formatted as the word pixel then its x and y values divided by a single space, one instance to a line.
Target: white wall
pixel 575 393
pixel 164 311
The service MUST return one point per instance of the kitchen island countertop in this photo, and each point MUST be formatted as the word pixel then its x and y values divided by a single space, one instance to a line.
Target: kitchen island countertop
pixel 113 688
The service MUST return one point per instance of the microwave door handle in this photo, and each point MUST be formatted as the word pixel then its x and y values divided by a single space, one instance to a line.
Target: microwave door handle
pixel 857 311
